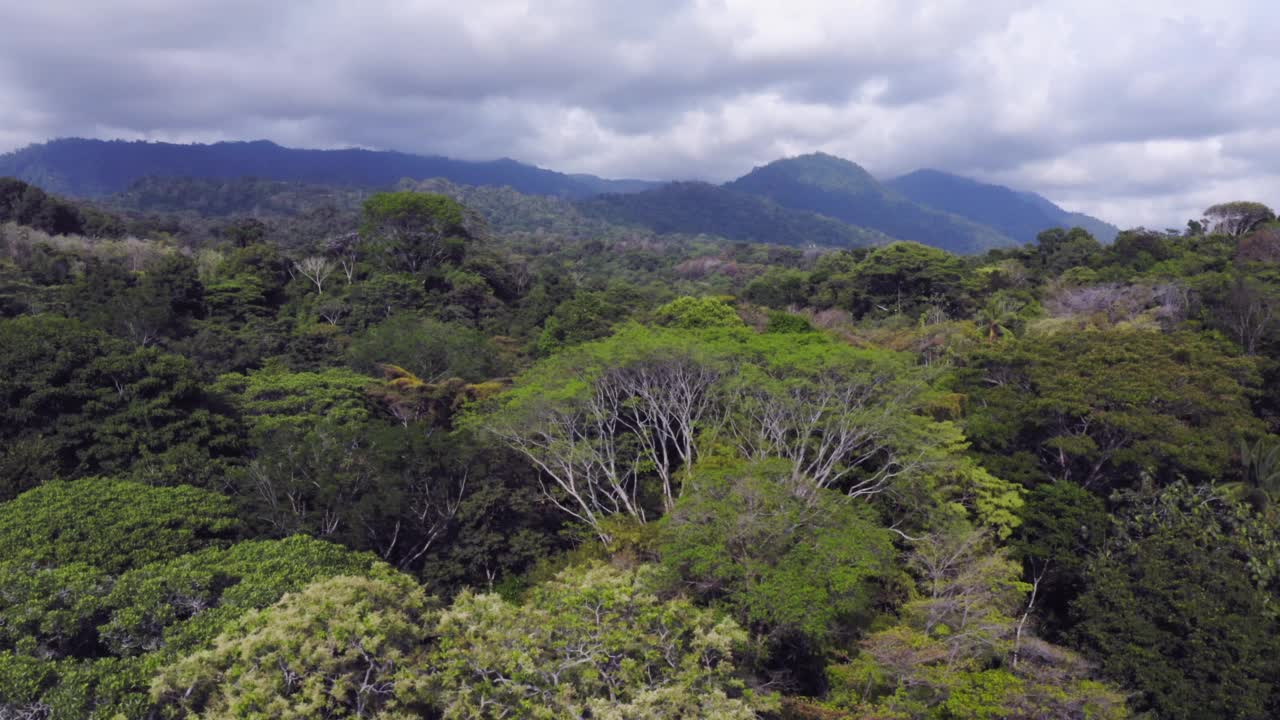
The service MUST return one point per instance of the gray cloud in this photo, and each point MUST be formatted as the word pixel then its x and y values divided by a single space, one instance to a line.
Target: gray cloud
pixel 1143 112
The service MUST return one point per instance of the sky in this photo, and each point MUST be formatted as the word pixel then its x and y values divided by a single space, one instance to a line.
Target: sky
pixel 1142 112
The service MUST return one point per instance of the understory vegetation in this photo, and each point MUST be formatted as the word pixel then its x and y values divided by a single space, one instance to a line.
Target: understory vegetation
pixel 396 460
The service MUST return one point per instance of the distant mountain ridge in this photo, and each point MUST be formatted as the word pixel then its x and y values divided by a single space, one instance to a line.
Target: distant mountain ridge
pixel 814 199
pixel 841 189
pixel 1019 215
pixel 96 168
pixel 703 208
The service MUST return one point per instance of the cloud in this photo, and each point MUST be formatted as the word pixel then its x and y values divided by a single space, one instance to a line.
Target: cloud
pixel 1142 112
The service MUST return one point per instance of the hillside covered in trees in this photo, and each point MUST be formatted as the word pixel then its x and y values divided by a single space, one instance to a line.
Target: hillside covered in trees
pixel 811 200
pixel 96 168
pixel 282 450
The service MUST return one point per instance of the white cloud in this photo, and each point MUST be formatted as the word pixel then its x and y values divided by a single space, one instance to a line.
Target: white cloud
pixel 1142 112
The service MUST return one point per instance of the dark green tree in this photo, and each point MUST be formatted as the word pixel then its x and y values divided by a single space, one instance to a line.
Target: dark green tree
pixel 417 231
pixel 802 570
pixel 75 402
pixel 1181 606
pixel 1100 407
pixel 1058 250
pixel 905 278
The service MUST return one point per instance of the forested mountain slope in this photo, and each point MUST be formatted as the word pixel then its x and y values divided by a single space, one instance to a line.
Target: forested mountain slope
pixel 841 189
pixel 1019 215
pixel 695 207
pixel 94 168
pixel 777 203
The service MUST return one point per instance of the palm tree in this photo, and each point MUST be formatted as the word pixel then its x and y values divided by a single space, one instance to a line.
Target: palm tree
pixel 1260 462
pixel 996 318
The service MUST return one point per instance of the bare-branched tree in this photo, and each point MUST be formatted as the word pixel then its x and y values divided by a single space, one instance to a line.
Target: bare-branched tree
pixel 316 269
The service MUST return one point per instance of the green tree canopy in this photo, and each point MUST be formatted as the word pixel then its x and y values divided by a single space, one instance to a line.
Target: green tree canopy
pixel 126 627
pixel 614 424
pixel 111 524
pixel 801 569
pixel 1100 407
pixel 1181 606
pixel 430 349
pixel 1238 218
pixel 596 642
pixel 691 313
pixel 963 648
pixel 345 647
pixel 274 398
pixel 75 402
pixel 1058 250
pixel 905 278
pixel 416 230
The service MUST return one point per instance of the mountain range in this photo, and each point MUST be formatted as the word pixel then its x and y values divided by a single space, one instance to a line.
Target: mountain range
pixel 97 168
pixel 815 199
pixel 1019 215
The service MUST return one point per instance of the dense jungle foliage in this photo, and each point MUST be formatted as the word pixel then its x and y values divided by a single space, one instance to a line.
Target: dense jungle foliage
pixel 296 454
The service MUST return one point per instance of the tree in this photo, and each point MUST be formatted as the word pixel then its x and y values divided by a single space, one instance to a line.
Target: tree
pixel 416 230
pixel 903 278
pixel 1062 526
pixel 1100 407
pixel 384 296
pixel 964 649
pixel 1059 250
pixel 245 231
pixel 112 524
pixel 588 315
pixel 1260 246
pixel 74 402
pixel 594 418
pixel 145 307
pixel 1239 218
pixel 316 269
pixel 1139 250
pixel 64 542
pixel 858 422
pixel 1251 312
pixel 691 313
pixel 997 317
pixel 501 530
pixel 1180 605
pixel 801 570
pixel 390 490
pixel 613 424
pixel 779 288
pixel 272 398
pixel 347 249
pixel 1261 484
pixel 427 348
pixel 124 578
pixel 593 642
pixel 470 297
pixel 345 647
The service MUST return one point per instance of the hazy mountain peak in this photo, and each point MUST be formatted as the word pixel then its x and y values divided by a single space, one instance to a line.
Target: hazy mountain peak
pixel 844 190
pixel 819 170
pixel 1017 214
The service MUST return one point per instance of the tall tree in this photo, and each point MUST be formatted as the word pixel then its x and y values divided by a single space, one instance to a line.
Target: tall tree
pixel 417 230
pixel 1239 218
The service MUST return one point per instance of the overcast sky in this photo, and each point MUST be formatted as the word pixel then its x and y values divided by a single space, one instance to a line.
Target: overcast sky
pixel 1138 111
